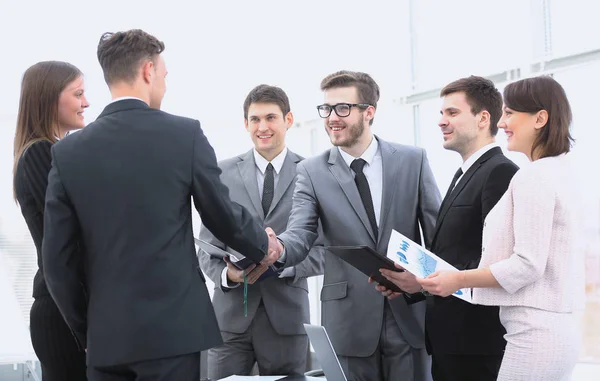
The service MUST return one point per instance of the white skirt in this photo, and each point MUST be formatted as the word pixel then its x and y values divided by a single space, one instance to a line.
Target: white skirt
pixel 540 345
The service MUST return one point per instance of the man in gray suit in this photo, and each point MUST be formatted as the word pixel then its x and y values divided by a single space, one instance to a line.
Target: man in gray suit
pixel 360 190
pixel 270 331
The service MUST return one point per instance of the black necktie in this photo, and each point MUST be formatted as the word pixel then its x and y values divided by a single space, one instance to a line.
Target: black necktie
pixel 452 184
pixel 365 192
pixel 268 189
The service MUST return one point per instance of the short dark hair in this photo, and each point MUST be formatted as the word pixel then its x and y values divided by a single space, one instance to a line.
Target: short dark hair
pixel 120 54
pixel 481 94
pixel 366 87
pixel 531 95
pixel 267 94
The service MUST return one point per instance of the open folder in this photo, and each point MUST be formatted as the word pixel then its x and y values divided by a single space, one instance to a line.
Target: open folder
pixel 236 259
pixel 367 261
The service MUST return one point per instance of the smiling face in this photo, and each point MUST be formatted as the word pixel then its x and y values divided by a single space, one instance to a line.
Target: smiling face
pixel 71 104
pixel 461 129
pixel 352 130
pixel 267 127
pixel 521 129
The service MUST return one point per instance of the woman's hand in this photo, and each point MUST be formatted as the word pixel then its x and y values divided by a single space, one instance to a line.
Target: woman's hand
pixel 443 283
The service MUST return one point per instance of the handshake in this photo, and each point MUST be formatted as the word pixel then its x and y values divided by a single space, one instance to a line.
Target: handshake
pixel 252 273
pixel 275 249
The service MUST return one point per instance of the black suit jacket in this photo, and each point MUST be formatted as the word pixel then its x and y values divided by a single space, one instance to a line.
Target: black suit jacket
pixel 452 325
pixel 123 187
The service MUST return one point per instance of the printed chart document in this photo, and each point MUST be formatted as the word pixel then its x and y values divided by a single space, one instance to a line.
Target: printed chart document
pixel 419 261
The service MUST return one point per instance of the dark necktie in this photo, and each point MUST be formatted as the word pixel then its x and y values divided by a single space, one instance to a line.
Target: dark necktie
pixel 451 187
pixel 365 192
pixel 268 189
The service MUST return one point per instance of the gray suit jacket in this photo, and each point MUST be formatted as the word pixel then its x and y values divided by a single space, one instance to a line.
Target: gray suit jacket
pixel 285 299
pixel 352 310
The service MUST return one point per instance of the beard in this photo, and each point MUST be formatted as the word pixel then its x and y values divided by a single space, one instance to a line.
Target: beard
pixel 354 132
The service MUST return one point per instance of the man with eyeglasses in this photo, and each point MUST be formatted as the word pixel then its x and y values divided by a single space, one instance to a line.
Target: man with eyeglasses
pixel 361 189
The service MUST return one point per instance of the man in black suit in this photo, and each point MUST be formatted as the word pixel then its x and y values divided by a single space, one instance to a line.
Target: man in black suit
pixel 466 341
pixel 122 189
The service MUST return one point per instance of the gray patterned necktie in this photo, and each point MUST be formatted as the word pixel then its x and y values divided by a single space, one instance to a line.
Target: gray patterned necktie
pixel 268 189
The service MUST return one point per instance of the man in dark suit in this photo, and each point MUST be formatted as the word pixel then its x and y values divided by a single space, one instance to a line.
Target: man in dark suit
pixel 466 341
pixel 122 188
pixel 269 331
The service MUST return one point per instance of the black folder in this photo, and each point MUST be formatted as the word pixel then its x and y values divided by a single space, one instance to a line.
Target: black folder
pixel 240 262
pixel 367 261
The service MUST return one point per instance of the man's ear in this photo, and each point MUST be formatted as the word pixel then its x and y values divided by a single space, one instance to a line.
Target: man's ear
pixel 148 71
pixel 484 119
pixel 289 120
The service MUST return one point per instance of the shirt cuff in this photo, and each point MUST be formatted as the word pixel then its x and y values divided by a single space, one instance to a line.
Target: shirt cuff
pixel 225 282
pixel 289 272
pixel 283 256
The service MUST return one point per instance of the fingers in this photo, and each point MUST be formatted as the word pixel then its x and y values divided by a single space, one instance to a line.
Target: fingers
pixel 435 274
pixel 394 295
pixel 399 267
pixel 275 248
pixel 253 276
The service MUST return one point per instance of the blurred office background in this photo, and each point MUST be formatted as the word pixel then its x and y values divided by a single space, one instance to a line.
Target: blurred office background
pixel 217 51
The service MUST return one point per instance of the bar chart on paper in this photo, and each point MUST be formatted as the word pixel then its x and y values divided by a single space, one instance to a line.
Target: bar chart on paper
pixel 419 261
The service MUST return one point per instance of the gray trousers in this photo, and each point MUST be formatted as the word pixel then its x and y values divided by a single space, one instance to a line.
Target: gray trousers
pixel 393 360
pixel 274 354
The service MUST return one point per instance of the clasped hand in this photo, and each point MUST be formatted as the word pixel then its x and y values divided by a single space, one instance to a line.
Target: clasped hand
pixel 252 272
pixel 275 249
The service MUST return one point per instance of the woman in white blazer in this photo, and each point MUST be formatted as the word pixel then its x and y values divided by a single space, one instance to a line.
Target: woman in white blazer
pixel 532 262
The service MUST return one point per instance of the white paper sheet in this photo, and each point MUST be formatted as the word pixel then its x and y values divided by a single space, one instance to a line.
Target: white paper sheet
pixel 419 261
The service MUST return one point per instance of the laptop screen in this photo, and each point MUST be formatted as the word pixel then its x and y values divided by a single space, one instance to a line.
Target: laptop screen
pixel 325 353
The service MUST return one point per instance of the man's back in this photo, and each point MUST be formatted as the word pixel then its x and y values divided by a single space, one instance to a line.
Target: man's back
pixel 129 177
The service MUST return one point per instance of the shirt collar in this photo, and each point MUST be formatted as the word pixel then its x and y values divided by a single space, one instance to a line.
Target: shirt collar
pixel 475 156
pixel 277 162
pixel 368 155
pixel 123 98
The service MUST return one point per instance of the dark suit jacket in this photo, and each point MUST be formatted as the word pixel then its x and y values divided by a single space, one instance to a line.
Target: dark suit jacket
pixel 123 186
pixel 31 180
pixel 452 325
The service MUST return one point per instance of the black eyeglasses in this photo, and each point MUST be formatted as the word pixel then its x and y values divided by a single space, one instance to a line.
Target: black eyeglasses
pixel 341 109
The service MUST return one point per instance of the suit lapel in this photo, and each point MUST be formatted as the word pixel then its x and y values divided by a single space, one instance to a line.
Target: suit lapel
pixel 461 185
pixel 344 177
pixel 247 170
pixel 285 178
pixel 390 162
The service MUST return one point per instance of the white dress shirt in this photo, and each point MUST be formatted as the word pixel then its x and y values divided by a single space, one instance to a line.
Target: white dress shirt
pixel 373 171
pixel 123 98
pixel 473 158
pixel 261 167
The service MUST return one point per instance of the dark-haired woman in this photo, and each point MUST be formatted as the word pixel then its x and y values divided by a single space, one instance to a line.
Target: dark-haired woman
pixel 532 264
pixel 51 105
